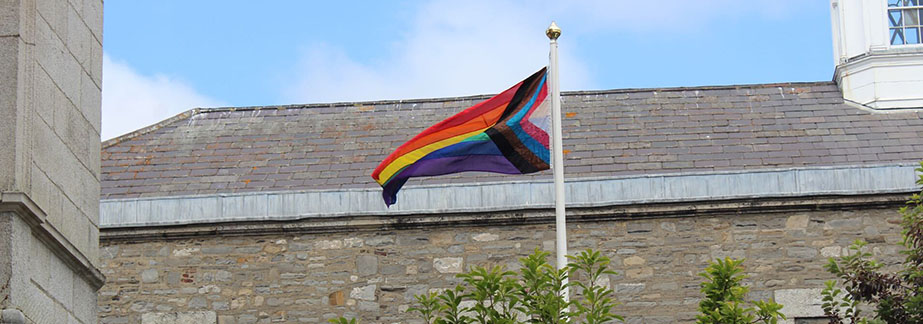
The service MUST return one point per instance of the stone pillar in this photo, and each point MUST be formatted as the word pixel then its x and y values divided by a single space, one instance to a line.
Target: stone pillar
pixel 50 81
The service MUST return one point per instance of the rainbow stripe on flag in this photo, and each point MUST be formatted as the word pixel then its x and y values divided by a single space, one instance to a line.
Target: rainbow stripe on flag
pixel 507 133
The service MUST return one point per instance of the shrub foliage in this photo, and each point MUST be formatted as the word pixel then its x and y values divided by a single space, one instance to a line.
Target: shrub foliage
pixel 894 297
pixel 724 297
pixel 533 295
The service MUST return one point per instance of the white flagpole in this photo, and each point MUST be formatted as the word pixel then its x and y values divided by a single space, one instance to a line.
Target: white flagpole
pixel 556 148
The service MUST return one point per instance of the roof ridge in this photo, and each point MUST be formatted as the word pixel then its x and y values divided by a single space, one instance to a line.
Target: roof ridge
pixel 485 96
pixel 707 87
pixel 195 111
pixel 127 136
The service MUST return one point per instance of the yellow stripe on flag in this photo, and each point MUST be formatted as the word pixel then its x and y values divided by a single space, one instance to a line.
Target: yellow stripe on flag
pixel 413 156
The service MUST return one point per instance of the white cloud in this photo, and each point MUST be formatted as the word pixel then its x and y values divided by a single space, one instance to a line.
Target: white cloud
pixel 457 48
pixel 450 48
pixel 674 16
pixel 453 48
pixel 132 101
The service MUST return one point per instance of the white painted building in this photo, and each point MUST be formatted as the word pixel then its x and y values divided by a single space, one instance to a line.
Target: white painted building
pixel 878 52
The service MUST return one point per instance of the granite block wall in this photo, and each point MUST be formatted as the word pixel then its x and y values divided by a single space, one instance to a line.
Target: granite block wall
pixel 373 275
pixel 50 98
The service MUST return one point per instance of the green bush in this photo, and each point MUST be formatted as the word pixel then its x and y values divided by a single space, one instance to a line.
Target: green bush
pixel 724 297
pixel 343 320
pixel 498 296
pixel 895 298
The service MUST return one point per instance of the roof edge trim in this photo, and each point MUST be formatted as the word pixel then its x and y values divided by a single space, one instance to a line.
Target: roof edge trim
pixel 495 197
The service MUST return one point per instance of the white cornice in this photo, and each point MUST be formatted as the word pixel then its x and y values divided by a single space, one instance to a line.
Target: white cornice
pixel 27 210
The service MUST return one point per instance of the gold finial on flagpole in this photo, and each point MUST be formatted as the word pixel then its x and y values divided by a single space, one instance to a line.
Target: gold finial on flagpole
pixel 553 31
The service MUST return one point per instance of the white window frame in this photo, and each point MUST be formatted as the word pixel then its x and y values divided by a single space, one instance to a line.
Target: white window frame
pixel 903 26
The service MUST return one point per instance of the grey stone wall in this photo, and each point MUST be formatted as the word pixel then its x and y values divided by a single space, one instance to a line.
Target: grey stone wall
pixel 50 90
pixel 50 118
pixel 43 286
pixel 373 275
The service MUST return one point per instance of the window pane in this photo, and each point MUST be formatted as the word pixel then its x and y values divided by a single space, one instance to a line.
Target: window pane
pixel 897 36
pixel 913 17
pixel 910 3
pixel 912 35
pixel 894 3
pixel 895 18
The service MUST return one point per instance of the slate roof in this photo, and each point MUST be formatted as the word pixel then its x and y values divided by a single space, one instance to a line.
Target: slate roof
pixel 607 133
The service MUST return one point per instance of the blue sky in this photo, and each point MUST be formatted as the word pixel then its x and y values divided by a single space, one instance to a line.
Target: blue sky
pixel 165 57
